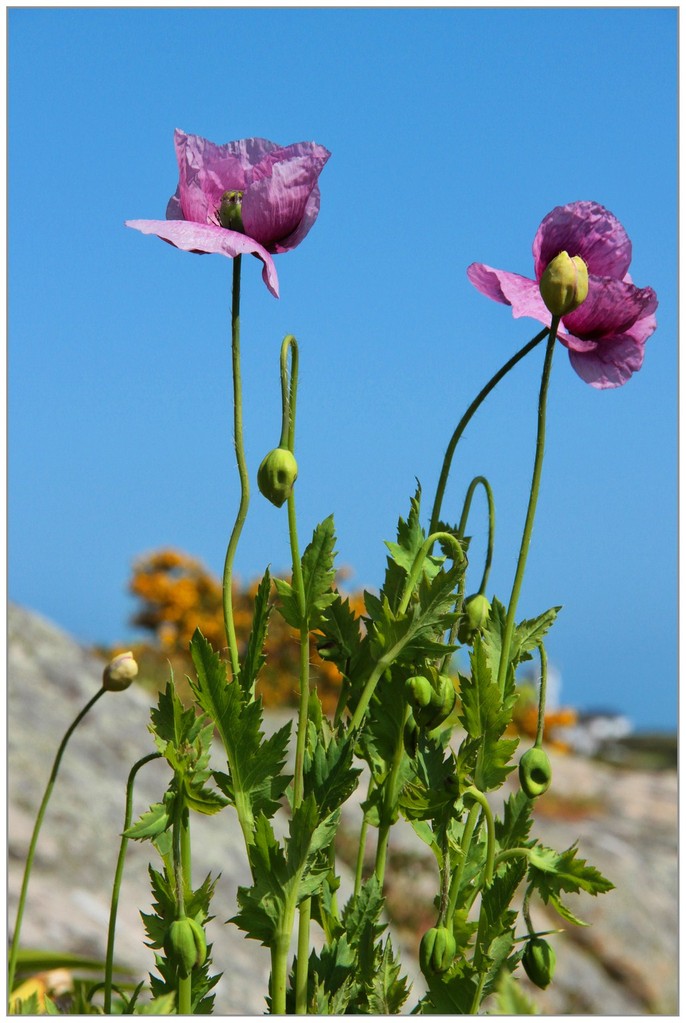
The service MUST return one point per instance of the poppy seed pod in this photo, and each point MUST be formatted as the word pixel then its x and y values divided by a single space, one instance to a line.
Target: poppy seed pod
pixel 539 962
pixel 564 284
pixel 229 212
pixel 186 945
pixel 535 772
pixel 120 673
pixel 474 616
pixel 437 951
pixel 276 475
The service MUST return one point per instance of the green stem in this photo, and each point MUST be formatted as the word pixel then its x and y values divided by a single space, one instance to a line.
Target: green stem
pixel 303 959
pixel 14 949
pixel 242 468
pixel 118 875
pixel 279 951
pixel 463 423
pixel 418 563
pixel 542 696
pixel 481 799
pixel 390 801
pixel 466 508
pixel 531 510
pixel 465 845
pixel 182 871
pixel 362 843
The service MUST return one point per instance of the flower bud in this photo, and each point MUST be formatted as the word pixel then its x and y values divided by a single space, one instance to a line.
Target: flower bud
pixel 437 951
pixel 441 698
pixel 474 616
pixel 535 772
pixel 539 962
pixel 120 673
pixel 185 945
pixel 564 284
pixel 276 475
pixel 229 212
pixel 418 691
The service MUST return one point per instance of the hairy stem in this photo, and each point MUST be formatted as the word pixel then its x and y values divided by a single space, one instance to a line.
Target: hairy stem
pixel 118 875
pixel 531 509
pixel 14 949
pixel 242 467
pixel 464 422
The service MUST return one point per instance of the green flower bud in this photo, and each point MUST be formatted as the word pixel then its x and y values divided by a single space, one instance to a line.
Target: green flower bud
pixel 443 697
pixel 564 284
pixel 535 772
pixel 418 691
pixel 475 614
pixel 437 951
pixel 120 673
pixel 276 475
pixel 186 945
pixel 539 962
pixel 229 212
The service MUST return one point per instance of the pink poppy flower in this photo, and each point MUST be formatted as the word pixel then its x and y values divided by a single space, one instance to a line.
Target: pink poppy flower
pixel 249 196
pixel 606 335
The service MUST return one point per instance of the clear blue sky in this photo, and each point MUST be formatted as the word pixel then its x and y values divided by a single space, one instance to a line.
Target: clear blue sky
pixel 453 132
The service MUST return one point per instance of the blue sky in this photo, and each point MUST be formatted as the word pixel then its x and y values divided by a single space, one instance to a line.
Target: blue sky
pixel 453 132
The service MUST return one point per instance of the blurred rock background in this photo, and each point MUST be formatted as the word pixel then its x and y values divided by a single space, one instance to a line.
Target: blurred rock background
pixel 624 816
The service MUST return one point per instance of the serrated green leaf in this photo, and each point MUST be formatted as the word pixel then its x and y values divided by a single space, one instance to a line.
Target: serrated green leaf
pixel 340 629
pixel 254 656
pixel 565 912
pixel 511 999
pixel 329 775
pixel 318 576
pixel 451 994
pixel 495 762
pixel 529 633
pixel 151 823
pixel 552 872
pixel 255 764
pixel 387 992
pixel 513 830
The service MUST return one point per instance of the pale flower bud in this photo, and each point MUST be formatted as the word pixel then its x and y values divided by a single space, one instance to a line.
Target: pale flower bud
pixel 564 284
pixel 120 673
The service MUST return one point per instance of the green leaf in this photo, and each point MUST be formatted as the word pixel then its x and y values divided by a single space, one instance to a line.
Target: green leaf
pixel 514 829
pixel 318 579
pixel 529 633
pixel 254 656
pixel 387 994
pixel 410 537
pixel 255 764
pixel 511 999
pixel 329 775
pixel 151 823
pixel 552 872
pixel 565 912
pixel 340 628
pixel 451 994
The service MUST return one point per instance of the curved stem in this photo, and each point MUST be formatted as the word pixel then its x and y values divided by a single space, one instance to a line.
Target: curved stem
pixel 542 696
pixel 118 874
pixel 466 508
pixel 14 949
pixel 531 509
pixel 418 563
pixel 463 423
pixel 465 844
pixel 481 799
pixel 242 468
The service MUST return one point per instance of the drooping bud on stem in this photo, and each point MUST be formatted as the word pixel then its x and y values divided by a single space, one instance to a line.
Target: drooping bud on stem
pixel 564 284
pixel 120 673
pixel 276 475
